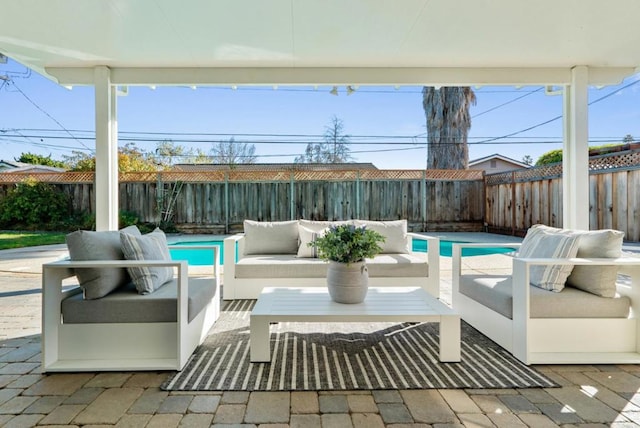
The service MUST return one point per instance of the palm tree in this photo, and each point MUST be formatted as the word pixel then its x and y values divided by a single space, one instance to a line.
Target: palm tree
pixel 448 124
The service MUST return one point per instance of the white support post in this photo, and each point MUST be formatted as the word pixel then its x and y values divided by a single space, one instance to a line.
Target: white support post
pixel 106 178
pixel 575 159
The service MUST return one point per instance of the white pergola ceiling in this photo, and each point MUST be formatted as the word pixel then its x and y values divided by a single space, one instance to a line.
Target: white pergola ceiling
pixel 323 41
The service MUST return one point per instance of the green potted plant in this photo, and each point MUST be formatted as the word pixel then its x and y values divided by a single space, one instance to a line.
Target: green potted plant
pixel 346 247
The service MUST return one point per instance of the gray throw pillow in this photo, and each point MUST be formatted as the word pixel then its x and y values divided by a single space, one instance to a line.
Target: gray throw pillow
pixel 87 245
pixel 152 246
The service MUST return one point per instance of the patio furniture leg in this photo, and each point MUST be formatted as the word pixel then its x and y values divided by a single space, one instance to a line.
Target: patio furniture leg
pixel 259 339
pixel 450 339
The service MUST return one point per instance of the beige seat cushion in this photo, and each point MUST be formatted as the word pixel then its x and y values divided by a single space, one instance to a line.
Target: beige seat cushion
pixel 495 292
pixel 125 305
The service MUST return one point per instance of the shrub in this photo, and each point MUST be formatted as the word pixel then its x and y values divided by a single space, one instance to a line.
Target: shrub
pixel 33 205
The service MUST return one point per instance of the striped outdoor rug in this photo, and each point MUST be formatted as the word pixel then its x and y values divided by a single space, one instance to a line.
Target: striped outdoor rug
pixel 345 356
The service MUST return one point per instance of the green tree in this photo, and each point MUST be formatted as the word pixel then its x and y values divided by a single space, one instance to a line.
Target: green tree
pixel 334 148
pixel 527 159
pixel 80 161
pixel 552 156
pixel 35 159
pixel 627 139
pixel 233 153
pixel 448 123
pixel 130 159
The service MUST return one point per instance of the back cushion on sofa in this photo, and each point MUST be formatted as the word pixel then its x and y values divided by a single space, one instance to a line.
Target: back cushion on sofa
pixel 319 225
pixel 605 243
pixel 277 237
pixel 394 232
pixel 599 280
pixel 86 245
pixel 152 246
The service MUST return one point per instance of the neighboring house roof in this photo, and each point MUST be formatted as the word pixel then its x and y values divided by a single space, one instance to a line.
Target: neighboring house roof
pixel 500 157
pixel 5 164
pixel 13 166
pixel 273 166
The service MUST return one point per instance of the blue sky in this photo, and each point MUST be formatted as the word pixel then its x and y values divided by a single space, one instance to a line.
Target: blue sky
pixel 383 115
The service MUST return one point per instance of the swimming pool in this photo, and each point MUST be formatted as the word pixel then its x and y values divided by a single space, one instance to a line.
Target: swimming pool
pixel 203 257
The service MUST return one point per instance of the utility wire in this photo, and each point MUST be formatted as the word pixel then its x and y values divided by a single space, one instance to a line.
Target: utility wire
pixel 560 116
pixel 506 103
pixel 49 116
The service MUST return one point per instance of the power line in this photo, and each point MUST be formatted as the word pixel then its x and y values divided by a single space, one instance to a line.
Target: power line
pixel 506 103
pixel 276 140
pixel 560 116
pixel 48 115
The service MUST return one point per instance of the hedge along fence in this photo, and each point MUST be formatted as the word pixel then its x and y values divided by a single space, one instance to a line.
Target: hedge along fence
pixel 218 201
pixel 516 200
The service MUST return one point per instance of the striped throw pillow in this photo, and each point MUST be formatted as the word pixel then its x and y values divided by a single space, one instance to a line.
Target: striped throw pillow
pixel 547 245
pixel 152 246
pixel 308 236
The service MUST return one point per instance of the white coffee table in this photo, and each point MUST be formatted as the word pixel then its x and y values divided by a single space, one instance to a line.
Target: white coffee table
pixel 383 304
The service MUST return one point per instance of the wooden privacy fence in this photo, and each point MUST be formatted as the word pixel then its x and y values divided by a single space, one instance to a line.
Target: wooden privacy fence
pixel 219 201
pixel 516 200
pixel 431 200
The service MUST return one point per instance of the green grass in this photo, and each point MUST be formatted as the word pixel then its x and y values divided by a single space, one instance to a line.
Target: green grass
pixel 11 239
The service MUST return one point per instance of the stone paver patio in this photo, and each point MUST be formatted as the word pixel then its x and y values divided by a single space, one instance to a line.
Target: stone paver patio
pixel 590 396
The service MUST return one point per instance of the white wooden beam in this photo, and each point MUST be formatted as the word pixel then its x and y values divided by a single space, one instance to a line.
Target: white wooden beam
pixel 440 76
pixel 106 178
pixel 575 157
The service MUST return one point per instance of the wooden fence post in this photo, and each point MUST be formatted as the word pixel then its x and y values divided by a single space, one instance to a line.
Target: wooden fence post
pixel 358 194
pixel 513 203
pixel 423 201
pixel 226 202
pixel 292 194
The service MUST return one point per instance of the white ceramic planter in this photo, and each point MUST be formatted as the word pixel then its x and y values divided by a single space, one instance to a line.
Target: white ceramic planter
pixel 348 283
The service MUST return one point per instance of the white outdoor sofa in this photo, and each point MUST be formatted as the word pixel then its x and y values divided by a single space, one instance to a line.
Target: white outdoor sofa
pixel 125 330
pixel 546 327
pixel 272 254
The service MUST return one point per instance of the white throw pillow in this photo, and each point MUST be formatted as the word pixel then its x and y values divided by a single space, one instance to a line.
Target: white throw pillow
pixel 276 237
pixel 543 244
pixel 152 246
pixel 394 232
pixel 308 236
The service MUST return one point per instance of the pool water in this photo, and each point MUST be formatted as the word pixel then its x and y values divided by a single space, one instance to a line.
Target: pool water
pixel 205 257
